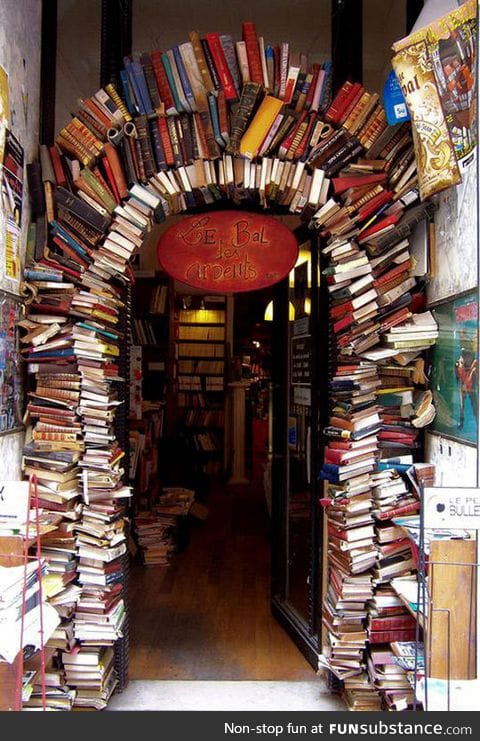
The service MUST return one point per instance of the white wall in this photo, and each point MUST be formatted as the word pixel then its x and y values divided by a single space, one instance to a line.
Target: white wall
pixel 20 57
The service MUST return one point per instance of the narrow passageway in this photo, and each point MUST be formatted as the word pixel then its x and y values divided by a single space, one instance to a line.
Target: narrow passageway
pixel 207 616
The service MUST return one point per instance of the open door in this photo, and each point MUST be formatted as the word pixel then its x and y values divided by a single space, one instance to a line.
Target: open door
pixel 299 351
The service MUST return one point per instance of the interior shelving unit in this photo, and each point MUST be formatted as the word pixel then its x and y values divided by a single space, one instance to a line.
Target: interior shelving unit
pixel 199 363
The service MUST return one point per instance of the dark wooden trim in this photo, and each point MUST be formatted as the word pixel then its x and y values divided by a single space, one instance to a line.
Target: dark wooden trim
pixel 347 42
pixel 414 8
pixel 296 629
pixel 280 464
pixel 115 38
pixel 48 72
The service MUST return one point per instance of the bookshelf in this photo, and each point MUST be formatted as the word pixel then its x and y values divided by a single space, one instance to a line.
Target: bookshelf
pixel 199 351
pixel 149 371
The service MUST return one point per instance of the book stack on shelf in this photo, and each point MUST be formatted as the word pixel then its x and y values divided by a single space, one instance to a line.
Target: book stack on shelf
pixel 159 531
pixel 379 403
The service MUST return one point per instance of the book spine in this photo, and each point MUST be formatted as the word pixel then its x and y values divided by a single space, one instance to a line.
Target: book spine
pixel 163 128
pixel 184 79
pixel 195 40
pixel 113 93
pixel 339 103
pixel 217 85
pixel 148 159
pixel 162 83
pixel 81 210
pixel 249 36
pixel 151 83
pixel 242 58
pixel 115 162
pixel 176 148
pixel 284 58
pixel 228 47
pixel 249 97
pixel 157 145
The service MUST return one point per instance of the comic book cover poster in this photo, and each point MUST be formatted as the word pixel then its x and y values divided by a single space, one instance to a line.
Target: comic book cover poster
pixel 454 379
pixel 451 43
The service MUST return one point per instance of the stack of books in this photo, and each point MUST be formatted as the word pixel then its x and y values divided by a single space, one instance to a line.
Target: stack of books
pixel 91 671
pixel 391 679
pixel 159 530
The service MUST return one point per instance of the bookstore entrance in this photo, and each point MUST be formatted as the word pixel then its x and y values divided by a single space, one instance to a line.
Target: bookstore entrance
pixel 224 580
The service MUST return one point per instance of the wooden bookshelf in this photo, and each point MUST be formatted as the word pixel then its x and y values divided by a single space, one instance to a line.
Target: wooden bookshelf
pixel 199 352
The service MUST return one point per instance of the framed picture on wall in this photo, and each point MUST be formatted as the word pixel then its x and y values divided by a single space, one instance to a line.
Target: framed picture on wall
pixel 454 380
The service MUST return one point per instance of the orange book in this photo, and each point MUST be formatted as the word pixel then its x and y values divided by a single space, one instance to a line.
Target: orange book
pixel 116 167
pixel 259 127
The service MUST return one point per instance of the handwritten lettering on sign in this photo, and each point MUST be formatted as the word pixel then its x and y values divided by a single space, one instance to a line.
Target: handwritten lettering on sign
pixel 228 251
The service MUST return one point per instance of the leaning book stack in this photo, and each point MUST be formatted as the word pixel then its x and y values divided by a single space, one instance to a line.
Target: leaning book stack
pixel 379 402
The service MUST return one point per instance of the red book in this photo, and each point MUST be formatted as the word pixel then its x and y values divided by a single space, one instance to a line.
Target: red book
pixel 393 273
pixel 408 509
pixel 311 90
pixel 249 36
pixel 300 150
pixel 339 103
pixel 378 226
pixel 66 271
pixel 166 141
pixel 343 323
pixel 220 62
pixel 392 623
pixel 341 184
pixel 101 179
pixel 373 205
pixel 111 179
pixel 57 166
pixel 355 95
pixel 162 81
pixel 287 142
pixel 70 252
pixel 388 636
pixel 397 317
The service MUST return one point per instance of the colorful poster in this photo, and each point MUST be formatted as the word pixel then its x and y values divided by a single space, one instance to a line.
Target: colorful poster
pixel 11 387
pixel 11 192
pixel 455 369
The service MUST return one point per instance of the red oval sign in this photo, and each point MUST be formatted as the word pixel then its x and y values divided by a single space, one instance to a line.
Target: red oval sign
pixel 228 251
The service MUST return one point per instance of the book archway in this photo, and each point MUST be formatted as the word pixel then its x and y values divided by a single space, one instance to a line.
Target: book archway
pixel 183 146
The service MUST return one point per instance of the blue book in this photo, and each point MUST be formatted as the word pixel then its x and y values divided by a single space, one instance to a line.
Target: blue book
pixel 127 93
pixel 212 105
pixel 171 81
pixel 66 352
pixel 133 83
pixel 59 231
pixel 142 86
pixel 327 66
pixel 187 88
pixel 32 274
pixel 111 335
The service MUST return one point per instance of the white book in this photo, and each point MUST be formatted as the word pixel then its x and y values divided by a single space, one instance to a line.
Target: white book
pixel 195 78
pixel 242 59
pixel 318 91
pixel 284 54
pixel 261 45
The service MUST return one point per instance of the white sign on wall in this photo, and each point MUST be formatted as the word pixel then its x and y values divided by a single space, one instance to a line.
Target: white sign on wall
pixel 452 508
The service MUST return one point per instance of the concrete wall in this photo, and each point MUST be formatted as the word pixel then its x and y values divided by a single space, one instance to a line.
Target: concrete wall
pixel 20 57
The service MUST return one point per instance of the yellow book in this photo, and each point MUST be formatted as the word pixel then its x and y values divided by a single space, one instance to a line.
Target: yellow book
pixel 254 136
